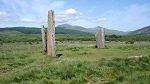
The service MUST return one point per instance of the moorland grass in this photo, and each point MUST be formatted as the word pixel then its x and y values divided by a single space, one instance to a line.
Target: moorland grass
pixel 80 63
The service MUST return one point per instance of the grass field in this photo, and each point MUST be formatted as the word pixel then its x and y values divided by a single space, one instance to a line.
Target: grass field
pixel 81 62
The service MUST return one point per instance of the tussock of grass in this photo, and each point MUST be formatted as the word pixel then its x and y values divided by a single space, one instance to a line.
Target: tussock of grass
pixel 80 64
pixel 114 71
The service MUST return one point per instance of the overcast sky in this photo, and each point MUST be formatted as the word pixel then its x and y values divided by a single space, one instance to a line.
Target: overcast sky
pixel 122 15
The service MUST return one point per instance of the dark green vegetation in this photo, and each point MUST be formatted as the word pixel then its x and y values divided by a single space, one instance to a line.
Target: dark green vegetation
pixel 92 30
pixel 145 30
pixel 81 62
pixel 9 36
pixel 28 34
pixel 127 38
pixel 63 33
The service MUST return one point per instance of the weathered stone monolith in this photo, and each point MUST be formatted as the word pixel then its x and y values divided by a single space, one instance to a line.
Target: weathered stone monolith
pixel 44 39
pixel 51 34
pixel 100 39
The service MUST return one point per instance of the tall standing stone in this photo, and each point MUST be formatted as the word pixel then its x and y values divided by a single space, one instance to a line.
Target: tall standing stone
pixel 100 38
pixel 51 34
pixel 44 41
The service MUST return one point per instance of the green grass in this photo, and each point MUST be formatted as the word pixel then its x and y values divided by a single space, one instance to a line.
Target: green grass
pixel 10 36
pixel 81 62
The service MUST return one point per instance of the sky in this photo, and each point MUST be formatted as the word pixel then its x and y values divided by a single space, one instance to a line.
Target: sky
pixel 124 15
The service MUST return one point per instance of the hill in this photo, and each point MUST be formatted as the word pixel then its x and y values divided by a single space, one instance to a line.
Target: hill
pixel 92 30
pixel 34 30
pixel 67 26
pixel 107 31
pixel 25 30
pixel 66 29
pixel 64 32
pixel 61 30
pixel 32 34
pixel 145 30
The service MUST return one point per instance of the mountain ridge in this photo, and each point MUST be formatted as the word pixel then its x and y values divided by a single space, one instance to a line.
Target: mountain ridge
pixel 92 30
pixel 144 30
pixel 74 29
pixel 34 30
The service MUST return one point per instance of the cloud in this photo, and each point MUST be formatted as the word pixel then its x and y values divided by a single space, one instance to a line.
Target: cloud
pixel 67 15
pixel 98 20
pixel 2 13
pixel 56 4
pixel 70 11
pixel 130 17
pixel 27 20
pixel 120 17
pixel 4 16
pixel 36 9
pixel 101 19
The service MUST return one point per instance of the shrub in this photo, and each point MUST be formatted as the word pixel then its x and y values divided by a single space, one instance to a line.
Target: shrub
pixel 30 43
pixel 129 42
pixel 1 43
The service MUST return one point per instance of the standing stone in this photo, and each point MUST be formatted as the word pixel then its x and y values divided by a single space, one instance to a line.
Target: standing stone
pixel 43 32
pixel 100 39
pixel 51 34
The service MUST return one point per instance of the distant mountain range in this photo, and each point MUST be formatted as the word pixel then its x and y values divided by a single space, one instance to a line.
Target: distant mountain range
pixel 34 30
pixel 93 30
pixel 67 26
pixel 70 29
pixel 145 30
